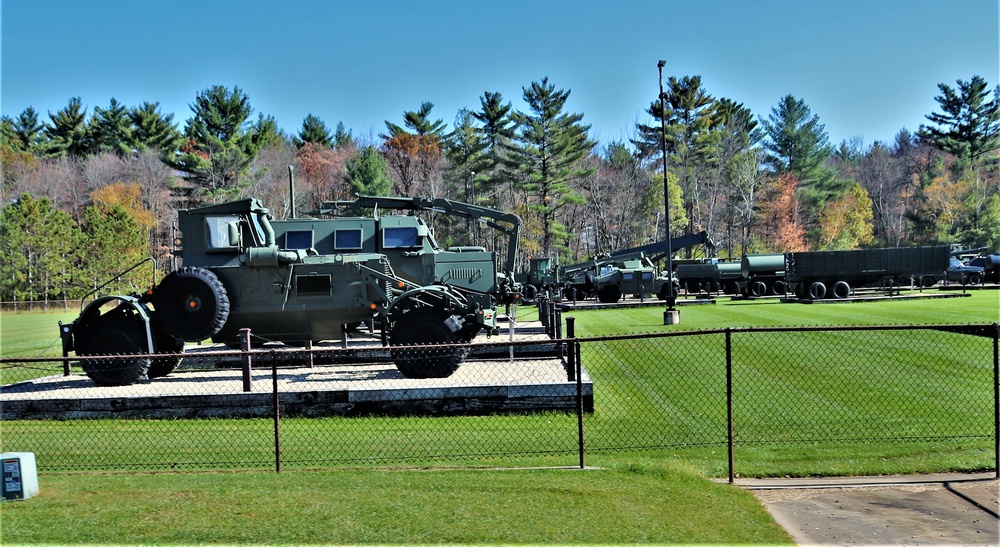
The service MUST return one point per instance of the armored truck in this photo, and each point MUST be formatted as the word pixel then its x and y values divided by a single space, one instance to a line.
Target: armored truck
pixel 408 242
pixel 236 276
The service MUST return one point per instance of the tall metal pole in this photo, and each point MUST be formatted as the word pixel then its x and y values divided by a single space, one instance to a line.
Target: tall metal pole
pixel 671 316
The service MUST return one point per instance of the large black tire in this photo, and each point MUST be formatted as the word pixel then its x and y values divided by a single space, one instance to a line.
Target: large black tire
pixel 426 326
pixel 609 294
pixel 841 290
pixel 114 334
pixel 191 304
pixel 817 290
pixel 758 288
pixel 164 343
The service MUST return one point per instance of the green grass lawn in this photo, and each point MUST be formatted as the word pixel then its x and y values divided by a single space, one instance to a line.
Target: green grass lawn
pixel 636 496
pixel 635 503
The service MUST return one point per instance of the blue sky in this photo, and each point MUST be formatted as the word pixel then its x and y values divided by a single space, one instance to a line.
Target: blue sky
pixel 866 68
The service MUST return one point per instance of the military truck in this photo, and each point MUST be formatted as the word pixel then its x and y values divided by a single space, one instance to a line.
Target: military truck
pixel 236 276
pixel 629 272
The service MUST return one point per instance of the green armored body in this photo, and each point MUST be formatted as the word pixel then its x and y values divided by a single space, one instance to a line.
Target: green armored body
pixel 238 274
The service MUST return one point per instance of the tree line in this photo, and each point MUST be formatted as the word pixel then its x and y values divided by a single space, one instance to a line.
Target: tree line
pixel 87 195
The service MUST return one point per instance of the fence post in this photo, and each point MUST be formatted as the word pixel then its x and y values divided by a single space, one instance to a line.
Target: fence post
pixel 64 336
pixel 245 348
pixel 574 366
pixel 729 400
pixel 277 413
pixel 996 399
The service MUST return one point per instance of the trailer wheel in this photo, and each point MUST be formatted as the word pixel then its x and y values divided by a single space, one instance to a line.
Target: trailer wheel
pixel 758 288
pixel 426 326
pixel 779 287
pixel 609 294
pixel 191 304
pixel 114 334
pixel 817 291
pixel 841 290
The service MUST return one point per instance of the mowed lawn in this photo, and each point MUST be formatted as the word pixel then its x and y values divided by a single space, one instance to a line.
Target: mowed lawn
pixel 657 497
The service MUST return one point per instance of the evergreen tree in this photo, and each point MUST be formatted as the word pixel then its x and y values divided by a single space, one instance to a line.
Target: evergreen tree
pixel 419 123
pixel 467 162
pixel 546 155
pixel 969 124
pixel 66 133
pixel 221 143
pixel 152 130
pixel 342 137
pixel 113 241
pixel 25 133
pixel 38 250
pixel 795 141
pixel 368 173
pixel 110 130
pixel 314 131
pixel 497 130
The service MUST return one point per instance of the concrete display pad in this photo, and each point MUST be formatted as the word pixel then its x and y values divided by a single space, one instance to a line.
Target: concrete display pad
pixel 480 386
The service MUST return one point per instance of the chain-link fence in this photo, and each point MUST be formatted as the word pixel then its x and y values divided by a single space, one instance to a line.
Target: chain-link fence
pixel 543 399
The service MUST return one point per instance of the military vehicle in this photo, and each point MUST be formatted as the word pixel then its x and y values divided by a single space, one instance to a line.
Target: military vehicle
pixel 628 272
pixel 409 244
pixel 990 263
pixel 708 276
pixel 814 275
pixel 236 276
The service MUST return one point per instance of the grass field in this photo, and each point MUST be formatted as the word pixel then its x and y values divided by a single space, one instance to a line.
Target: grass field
pixel 659 496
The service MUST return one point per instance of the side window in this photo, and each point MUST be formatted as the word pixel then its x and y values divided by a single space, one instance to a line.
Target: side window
pixel 299 239
pixel 347 240
pixel 395 238
pixel 217 233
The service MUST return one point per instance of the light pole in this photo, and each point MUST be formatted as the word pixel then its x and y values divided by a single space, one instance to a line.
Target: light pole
pixel 671 315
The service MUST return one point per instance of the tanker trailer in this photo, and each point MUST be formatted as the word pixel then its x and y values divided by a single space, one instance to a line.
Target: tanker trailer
pixel 763 274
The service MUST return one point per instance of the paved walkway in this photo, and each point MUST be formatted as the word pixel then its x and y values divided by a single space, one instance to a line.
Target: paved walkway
pixel 910 510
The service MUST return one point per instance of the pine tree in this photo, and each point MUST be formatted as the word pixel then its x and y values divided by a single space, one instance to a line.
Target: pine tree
pixel 110 130
pixel 24 133
pixel 545 156
pixel 969 124
pixel 66 133
pixel 368 173
pixel 38 251
pixel 795 141
pixel 342 137
pixel 152 130
pixel 497 130
pixel 221 143
pixel 314 131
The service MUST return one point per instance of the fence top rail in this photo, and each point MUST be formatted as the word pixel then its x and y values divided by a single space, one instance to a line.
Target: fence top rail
pixel 982 329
